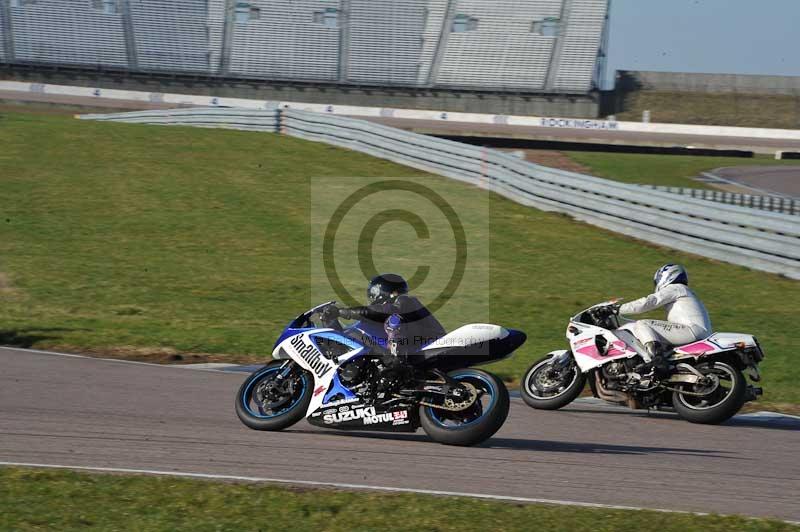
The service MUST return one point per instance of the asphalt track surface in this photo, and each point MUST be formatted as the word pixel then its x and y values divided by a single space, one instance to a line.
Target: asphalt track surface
pixel 782 180
pixel 83 412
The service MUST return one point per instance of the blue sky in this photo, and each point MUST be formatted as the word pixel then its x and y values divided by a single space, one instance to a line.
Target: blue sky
pixel 716 36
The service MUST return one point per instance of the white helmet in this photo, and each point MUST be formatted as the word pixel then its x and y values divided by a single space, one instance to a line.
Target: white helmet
pixel 670 274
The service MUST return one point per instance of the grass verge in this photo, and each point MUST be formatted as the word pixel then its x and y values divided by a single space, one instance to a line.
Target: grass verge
pixel 163 240
pixel 717 109
pixel 67 500
pixel 663 170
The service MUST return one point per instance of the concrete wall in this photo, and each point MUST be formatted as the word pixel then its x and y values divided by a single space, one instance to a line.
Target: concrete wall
pixel 708 83
pixel 444 100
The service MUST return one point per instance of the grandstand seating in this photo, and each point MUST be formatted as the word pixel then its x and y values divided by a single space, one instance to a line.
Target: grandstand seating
pixel 502 51
pixel 3 22
pixel 582 37
pixel 288 39
pixel 519 45
pixel 435 17
pixel 386 41
pixel 216 36
pixel 171 35
pixel 68 31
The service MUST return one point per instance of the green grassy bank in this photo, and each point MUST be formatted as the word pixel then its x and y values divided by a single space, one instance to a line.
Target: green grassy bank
pixel 144 239
pixel 65 500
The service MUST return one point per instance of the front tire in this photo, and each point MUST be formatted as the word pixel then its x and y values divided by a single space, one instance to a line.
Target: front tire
pixel 478 422
pixel 721 404
pixel 543 391
pixel 266 402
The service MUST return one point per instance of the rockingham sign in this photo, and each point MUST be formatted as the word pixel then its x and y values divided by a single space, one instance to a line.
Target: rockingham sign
pixel 578 123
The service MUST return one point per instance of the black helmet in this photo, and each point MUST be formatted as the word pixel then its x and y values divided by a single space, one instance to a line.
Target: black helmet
pixel 385 288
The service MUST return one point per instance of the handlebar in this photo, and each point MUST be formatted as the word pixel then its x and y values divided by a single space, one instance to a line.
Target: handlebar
pixel 605 311
pixel 606 316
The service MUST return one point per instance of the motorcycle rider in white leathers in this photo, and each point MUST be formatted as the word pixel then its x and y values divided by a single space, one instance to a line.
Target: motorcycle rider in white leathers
pixel 687 318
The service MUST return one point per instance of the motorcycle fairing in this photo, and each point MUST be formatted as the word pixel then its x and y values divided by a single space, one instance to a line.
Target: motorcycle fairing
pixel 470 345
pixel 589 351
pixel 303 349
pixel 357 415
pixel 287 333
pixel 336 389
pixel 474 334
pixel 621 343
pixel 299 324
pixel 717 343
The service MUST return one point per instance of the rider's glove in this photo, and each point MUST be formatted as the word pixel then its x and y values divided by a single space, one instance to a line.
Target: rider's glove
pixel 346 313
pixel 329 314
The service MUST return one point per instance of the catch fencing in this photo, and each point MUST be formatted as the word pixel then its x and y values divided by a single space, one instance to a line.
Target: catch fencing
pixel 754 201
pixel 760 240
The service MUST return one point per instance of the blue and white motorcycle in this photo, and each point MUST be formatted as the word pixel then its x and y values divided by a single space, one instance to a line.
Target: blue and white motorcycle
pixel 350 379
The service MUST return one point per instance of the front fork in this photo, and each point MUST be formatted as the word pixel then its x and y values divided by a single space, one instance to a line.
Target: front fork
pixel 286 369
pixel 562 361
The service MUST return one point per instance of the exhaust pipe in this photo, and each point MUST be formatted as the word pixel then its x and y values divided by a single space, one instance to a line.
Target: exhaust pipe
pixel 612 396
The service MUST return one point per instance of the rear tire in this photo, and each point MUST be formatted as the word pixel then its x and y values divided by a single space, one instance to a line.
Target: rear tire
pixel 290 406
pixel 531 391
pixel 446 427
pixel 693 409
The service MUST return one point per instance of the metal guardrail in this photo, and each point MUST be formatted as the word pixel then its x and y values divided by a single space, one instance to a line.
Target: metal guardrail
pixel 756 239
pixel 215 117
pixel 781 204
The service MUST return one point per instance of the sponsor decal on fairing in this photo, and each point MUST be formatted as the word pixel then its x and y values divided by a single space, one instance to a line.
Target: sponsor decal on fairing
pixel 368 415
pixel 311 355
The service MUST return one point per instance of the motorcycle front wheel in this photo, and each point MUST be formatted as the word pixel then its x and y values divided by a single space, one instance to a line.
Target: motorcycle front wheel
pixel 270 399
pixel 727 392
pixel 546 388
pixel 477 422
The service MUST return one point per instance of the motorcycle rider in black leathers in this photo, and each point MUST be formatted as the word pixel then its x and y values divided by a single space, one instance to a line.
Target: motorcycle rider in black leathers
pixel 411 326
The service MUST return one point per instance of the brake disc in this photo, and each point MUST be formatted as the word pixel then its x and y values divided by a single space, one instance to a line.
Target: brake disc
pixel 453 406
pixel 272 395
pixel 545 383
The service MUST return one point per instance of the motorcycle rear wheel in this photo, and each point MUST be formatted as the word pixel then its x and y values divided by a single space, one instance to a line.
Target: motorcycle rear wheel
pixel 476 423
pixel 721 404
pixel 261 408
pixel 533 389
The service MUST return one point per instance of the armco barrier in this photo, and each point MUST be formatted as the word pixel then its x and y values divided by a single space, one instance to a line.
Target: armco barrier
pixel 216 117
pixel 761 240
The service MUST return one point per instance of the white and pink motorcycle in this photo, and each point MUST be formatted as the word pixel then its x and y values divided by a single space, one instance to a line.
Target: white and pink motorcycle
pixel 706 385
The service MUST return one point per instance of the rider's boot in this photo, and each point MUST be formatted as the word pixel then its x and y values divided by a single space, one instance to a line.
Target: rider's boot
pixel 659 362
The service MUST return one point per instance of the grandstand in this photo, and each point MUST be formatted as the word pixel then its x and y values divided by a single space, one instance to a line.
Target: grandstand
pixel 515 46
